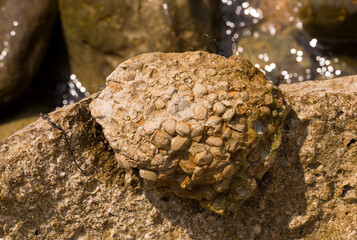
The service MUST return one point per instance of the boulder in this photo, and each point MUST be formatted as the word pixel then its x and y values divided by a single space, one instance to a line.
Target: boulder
pixel 329 19
pixel 25 29
pixel 198 127
pixel 101 34
pixel 59 179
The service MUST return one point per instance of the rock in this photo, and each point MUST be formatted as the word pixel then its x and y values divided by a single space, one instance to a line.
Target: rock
pixel 24 26
pixel 309 193
pixel 184 110
pixel 100 35
pixel 330 19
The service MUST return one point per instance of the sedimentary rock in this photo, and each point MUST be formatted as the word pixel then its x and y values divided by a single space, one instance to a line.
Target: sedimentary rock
pixel 309 193
pixel 25 29
pixel 102 34
pixel 202 126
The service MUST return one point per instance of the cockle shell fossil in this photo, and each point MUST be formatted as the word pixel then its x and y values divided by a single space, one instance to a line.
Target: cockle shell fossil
pixel 197 124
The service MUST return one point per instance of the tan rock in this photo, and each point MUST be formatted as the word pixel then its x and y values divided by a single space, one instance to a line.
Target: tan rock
pixel 309 193
pixel 191 105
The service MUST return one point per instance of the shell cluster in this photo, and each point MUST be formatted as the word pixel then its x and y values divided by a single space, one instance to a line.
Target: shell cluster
pixel 197 124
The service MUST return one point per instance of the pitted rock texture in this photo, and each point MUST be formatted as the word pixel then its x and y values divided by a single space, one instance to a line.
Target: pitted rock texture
pixel 309 193
pixel 197 124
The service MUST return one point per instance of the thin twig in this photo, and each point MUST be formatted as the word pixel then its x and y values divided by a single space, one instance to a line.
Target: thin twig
pixel 219 49
pixel 65 136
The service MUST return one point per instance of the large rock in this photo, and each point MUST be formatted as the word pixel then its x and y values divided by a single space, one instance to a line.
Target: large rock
pixel 334 20
pixel 310 192
pixel 25 29
pixel 206 135
pixel 101 34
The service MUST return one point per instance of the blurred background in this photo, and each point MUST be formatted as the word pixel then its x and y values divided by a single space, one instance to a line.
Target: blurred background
pixel 55 52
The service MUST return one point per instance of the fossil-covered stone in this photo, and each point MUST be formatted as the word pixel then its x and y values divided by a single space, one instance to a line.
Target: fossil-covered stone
pixel 213 129
pixel 309 193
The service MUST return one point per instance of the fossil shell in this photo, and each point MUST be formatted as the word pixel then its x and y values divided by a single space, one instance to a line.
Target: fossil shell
pixel 208 126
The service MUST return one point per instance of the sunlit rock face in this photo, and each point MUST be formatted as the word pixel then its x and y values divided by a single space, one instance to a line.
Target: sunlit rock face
pixel 309 193
pixel 102 34
pixel 25 28
pixel 197 124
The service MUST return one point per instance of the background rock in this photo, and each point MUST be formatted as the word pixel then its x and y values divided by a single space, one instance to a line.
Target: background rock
pixel 330 18
pixel 101 34
pixel 25 29
pixel 310 193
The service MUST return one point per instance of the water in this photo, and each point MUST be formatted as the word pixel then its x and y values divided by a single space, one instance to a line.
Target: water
pixel 272 36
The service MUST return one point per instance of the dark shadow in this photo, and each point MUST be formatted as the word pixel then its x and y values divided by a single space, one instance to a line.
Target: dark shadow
pixel 266 215
pixel 49 84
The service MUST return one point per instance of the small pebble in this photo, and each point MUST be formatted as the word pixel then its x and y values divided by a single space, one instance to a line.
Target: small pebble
pixel 214 141
pixel 184 90
pixel 228 115
pixel 197 130
pixel 268 99
pixel 183 129
pixel 212 97
pixel 162 140
pixel 199 90
pixel 160 104
pixel 264 111
pixel 203 158
pixel 149 175
pixel 170 126
pixel 200 112
pixel 180 143
pixel 244 96
pixel 228 171
pixel 215 123
pixel 227 133
pixel 219 108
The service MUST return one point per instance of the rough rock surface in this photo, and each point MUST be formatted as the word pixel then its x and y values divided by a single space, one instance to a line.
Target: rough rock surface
pixel 309 193
pixel 200 125
pixel 102 34
pixel 24 25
